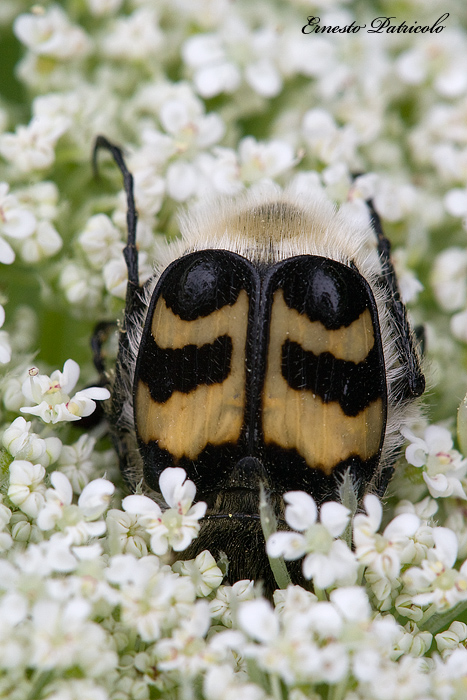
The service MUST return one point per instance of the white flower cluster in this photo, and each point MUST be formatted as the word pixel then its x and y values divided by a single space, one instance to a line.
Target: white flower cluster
pixel 51 395
pixel 178 525
pixel 328 561
pixel 405 541
pixel 444 469
pixel 208 98
pixel 5 348
pixel 25 218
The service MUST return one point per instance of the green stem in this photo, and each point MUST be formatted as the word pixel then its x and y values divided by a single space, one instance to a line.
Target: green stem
pixel 269 527
pixel 429 612
pixel 276 689
pixel 319 593
pixel 187 689
pixel 434 623
pixel 337 692
pixel 41 680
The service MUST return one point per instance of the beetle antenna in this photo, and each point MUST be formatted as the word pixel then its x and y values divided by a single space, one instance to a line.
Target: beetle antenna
pixel 130 252
pixel 414 380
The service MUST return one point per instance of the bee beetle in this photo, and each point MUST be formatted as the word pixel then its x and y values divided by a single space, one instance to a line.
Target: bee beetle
pixel 271 348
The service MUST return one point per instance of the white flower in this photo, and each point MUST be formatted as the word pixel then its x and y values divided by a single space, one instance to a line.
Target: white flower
pixel 116 277
pixel 383 554
pixel 125 534
pixel 56 499
pixel 182 181
pixel 221 170
pixel 30 225
pixel 409 285
pixel 6 539
pixel 115 274
pixel 42 197
pixel 264 159
pixel 44 243
pixel 436 581
pixel 185 650
pixel 80 285
pixel 218 60
pixel 336 179
pixel 439 58
pixel 458 326
pixel 291 649
pixel 214 73
pixel 101 241
pixel 451 638
pixel 15 222
pixel 452 669
pixel 32 147
pixel 258 620
pixel 95 498
pixel 5 515
pixel 455 522
pixel 150 189
pixel 5 347
pixel 104 7
pixel 76 689
pixel 455 202
pixel 13 608
pixel 307 182
pixel 449 278
pixel 52 395
pixel 423 537
pixel 48 556
pixel 151 597
pixel 328 561
pixel 328 142
pixel 222 682
pixel 262 73
pixel 23 338
pixel 225 604
pixel 76 462
pixel 62 637
pixel 203 571
pixel 394 200
pixel 134 37
pixel 352 603
pixel 22 444
pixel 443 468
pixel 413 642
pixel 310 58
pixel 51 34
pixel 27 488
pixel 384 679
pixel 78 523
pixel 178 525
pixel 364 186
pixel 157 148
pixel 182 115
pixel 293 600
pixel 56 112
pixel 446 157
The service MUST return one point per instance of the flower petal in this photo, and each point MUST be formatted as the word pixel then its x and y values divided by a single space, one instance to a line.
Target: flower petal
pixel 301 511
pixel 335 517
pixel 290 545
pixel 95 498
pixel 141 505
pixel 257 619
pixel 70 376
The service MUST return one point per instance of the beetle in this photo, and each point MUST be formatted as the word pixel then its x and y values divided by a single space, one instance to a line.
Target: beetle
pixel 272 348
